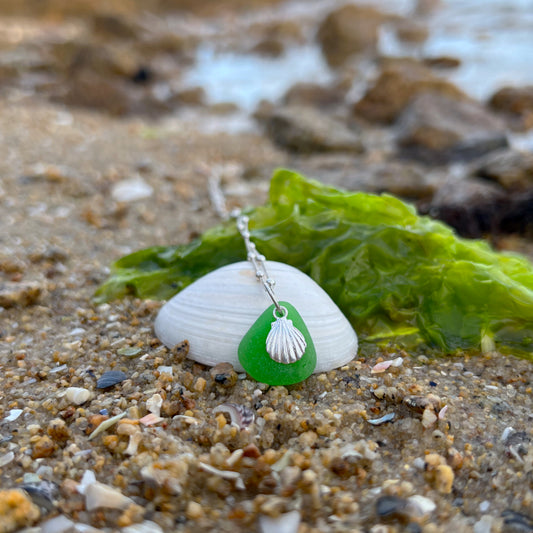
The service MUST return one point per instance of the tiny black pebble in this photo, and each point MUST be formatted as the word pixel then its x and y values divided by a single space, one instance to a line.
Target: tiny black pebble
pixel 432 384
pixel 143 75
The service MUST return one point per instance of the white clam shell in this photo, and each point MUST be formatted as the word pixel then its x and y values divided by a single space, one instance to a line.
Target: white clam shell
pixel 216 311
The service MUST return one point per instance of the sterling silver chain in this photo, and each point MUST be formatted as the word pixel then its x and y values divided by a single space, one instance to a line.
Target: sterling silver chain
pixel 258 262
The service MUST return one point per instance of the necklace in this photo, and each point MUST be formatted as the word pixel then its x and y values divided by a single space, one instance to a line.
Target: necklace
pixel 278 348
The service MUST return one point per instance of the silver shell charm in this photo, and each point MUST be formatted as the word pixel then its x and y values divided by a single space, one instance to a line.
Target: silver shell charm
pixel 285 343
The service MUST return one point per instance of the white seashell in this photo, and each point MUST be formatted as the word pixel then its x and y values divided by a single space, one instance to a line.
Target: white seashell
pixel 216 311
pixel 285 343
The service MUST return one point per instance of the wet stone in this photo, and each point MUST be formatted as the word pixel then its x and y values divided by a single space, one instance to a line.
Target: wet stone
pixel 512 169
pixel 437 129
pixel 303 129
pixel 349 30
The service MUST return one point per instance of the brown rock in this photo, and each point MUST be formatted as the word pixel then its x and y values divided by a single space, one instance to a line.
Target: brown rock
pixel 437 129
pixel 512 169
pixel 405 179
pixel 314 95
pixel 399 82
pixel 43 447
pixel 16 511
pixel 305 130
pixel 517 101
pixel 349 30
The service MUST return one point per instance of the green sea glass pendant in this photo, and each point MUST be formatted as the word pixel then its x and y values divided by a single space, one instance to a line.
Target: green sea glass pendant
pixel 258 363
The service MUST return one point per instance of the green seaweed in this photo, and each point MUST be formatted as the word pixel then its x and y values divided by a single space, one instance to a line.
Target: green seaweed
pixel 397 276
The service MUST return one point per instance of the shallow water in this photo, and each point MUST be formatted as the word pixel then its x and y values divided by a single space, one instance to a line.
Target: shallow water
pixel 246 79
pixel 493 39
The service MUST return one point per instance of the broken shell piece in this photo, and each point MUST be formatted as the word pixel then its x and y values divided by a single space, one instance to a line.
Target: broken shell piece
pixel 98 495
pixel 385 418
pixel 13 415
pixel 154 404
pixel 105 425
pixel 284 523
pixel 384 365
pixel 134 433
pixel 240 415
pixel 87 479
pixel 442 412
pixel 150 419
pixel 225 474
pixel 187 419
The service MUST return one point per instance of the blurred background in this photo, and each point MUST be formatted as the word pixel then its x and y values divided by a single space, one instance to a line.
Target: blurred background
pixel 429 100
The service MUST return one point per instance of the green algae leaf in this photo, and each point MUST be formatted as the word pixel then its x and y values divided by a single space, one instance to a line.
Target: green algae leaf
pixel 397 276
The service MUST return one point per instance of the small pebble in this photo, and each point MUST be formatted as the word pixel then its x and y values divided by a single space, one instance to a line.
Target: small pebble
pixel 224 375
pixel 484 506
pixel 131 190
pixel 43 447
pixel 194 511
pixel 58 430
pixel 16 510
